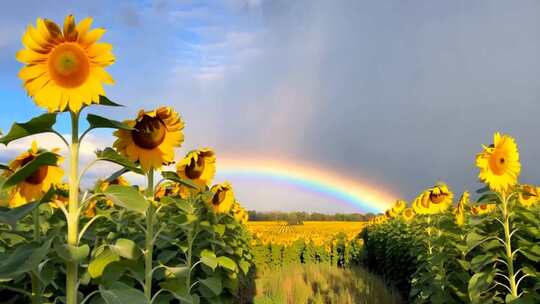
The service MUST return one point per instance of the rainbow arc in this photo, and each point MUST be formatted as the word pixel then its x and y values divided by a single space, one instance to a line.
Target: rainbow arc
pixel 360 194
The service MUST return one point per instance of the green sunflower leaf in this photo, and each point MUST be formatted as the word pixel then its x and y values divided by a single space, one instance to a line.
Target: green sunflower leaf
pixel 109 154
pixel 126 249
pixel 24 258
pixel 42 159
pixel 170 175
pixel 4 167
pixel 120 293
pixel 97 121
pixel 100 262
pixel 104 101
pixel 12 216
pixel 214 284
pixel 72 253
pixel 40 124
pixel 127 197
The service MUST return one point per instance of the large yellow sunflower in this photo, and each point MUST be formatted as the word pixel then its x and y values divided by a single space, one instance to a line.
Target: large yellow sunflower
pixel 64 68
pixel 223 198
pixel 499 163
pixel 529 196
pixel 152 142
pixel 34 186
pixel 198 166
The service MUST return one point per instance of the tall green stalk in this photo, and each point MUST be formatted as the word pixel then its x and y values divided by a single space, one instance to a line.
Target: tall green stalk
pixel 73 208
pixel 508 247
pixel 36 283
pixel 149 244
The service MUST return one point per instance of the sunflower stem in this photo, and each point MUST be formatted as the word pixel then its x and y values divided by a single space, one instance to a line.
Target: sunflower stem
pixel 36 284
pixel 73 207
pixel 149 237
pixel 508 246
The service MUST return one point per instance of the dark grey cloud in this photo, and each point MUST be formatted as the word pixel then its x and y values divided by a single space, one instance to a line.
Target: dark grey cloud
pixel 401 93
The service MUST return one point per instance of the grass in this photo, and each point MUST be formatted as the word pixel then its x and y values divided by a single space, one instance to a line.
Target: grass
pixel 322 284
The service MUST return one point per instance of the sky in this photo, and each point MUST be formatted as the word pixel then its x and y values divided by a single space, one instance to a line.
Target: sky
pixel 396 94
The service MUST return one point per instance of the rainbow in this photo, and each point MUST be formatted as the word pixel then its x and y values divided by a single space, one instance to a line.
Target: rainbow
pixel 361 195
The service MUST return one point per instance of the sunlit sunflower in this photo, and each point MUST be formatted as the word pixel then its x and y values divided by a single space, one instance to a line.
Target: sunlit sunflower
pixel 437 199
pixel 408 214
pixel 499 163
pixel 529 195
pixel 239 213
pixel 223 198
pixel 34 186
pixel 418 207
pixel 398 207
pixel 64 68
pixel 157 133
pixel 459 212
pixel 483 209
pixel 198 166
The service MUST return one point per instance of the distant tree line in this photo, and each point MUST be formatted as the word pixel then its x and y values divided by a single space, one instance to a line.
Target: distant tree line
pixel 298 217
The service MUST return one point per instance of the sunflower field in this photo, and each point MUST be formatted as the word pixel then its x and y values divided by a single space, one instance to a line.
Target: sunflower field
pixel 278 244
pixel 177 238
pixel 486 251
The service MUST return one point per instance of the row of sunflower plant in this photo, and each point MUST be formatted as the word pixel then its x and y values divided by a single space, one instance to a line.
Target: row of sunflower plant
pixel 337 251
pixel 485 251
pixel 178 238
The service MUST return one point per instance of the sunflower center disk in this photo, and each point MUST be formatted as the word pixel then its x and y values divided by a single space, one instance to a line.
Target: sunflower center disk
pixel 38 176
pixel 68 65
pixel 436 198
pixel 149 132
pixel 498 163
pixel 195 168
pixel 219 197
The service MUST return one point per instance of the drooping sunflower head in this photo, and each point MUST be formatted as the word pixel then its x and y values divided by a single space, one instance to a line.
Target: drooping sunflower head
pixel 155 136
pixel 223 198
pixel 418 207
pixel 64 68
pixel 408 214
pixel 437 199
pixel 499 163
pixel 39 182
pixel 528 196
pixel 389 213
pixel 198 166
pixel 483 209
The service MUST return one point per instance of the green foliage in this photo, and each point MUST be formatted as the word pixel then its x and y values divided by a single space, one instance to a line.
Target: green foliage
pixel 492 258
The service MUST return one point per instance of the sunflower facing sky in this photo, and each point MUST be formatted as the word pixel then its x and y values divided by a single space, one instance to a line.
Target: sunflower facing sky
pixel 499 163
pixel 223 198
pixel 64 68
pixel 35 185
pixel 155 136
pixel 198 166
